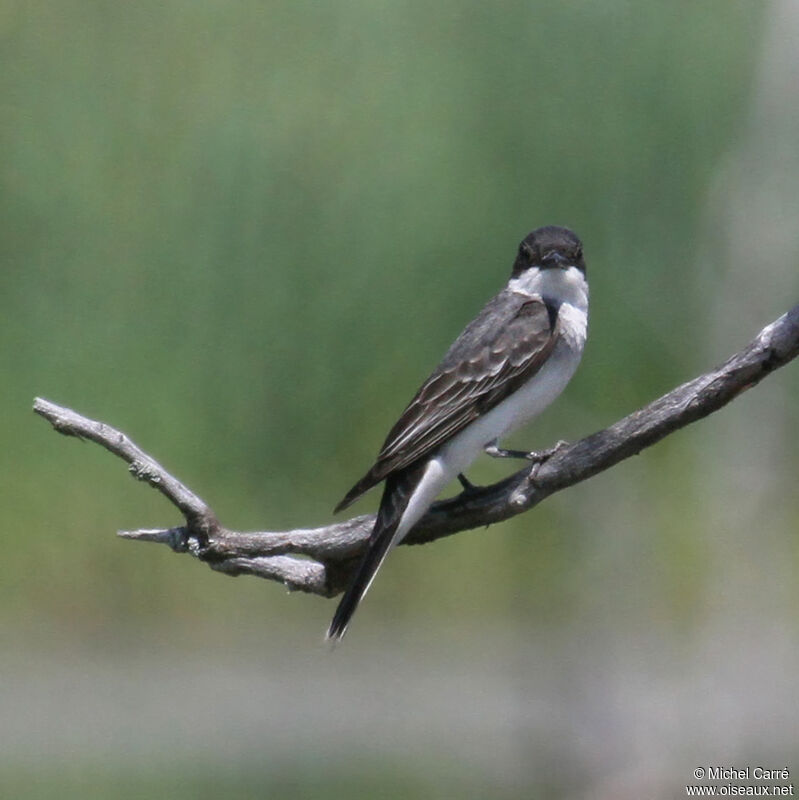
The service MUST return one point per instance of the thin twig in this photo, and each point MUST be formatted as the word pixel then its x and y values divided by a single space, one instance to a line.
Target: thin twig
pixel 319 560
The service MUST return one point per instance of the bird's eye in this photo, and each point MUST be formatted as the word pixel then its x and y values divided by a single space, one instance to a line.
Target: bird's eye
pixel 525 252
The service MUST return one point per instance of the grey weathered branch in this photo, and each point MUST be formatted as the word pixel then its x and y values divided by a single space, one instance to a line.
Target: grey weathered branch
pixel 320 560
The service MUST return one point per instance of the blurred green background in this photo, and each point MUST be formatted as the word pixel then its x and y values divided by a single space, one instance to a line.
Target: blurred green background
pixel 244 233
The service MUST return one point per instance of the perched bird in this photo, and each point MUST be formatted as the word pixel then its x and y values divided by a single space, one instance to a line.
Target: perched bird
pixel 507 366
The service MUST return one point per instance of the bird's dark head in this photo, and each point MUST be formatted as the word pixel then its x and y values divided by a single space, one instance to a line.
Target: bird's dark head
pixel 550 247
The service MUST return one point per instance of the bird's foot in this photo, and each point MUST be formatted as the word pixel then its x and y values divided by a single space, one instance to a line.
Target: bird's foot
pixel 540 456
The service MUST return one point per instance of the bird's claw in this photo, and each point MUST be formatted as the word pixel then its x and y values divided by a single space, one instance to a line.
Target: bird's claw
pixel 540 456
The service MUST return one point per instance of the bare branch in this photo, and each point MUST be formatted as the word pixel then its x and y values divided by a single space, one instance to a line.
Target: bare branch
pixel 142 466
pixel 319 560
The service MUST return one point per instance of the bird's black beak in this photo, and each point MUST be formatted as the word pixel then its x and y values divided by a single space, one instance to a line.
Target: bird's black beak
pixel 554 259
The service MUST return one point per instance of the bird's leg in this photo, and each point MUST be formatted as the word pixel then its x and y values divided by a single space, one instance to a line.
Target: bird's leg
pixel 498 452
pixel 537 456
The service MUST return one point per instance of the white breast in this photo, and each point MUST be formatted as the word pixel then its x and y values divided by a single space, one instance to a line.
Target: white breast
pixel 526 402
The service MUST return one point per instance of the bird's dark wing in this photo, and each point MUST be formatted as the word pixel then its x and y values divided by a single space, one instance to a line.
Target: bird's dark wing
pixel 499 350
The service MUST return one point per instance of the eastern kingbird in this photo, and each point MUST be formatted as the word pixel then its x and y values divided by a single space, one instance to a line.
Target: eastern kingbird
pixel 505 368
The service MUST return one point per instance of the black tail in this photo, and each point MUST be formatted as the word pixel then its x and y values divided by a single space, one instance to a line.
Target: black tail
pixel 396 495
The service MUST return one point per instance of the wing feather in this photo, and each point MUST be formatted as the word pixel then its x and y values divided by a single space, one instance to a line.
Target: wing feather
pixel 502 348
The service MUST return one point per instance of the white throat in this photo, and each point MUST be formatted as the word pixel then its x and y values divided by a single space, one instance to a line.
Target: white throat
pixel 562 285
